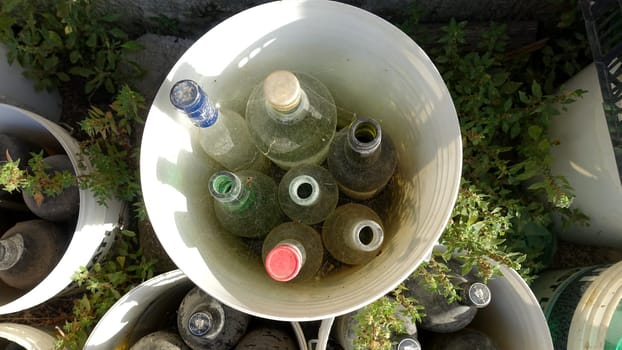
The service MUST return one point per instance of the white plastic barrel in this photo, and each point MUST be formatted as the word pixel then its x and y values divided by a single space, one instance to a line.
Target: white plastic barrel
pixel 585 156
pixel 28 337
pixel 93 233
pixel 372 69
pixel 583 306
pixel 142 310
pixel 17 90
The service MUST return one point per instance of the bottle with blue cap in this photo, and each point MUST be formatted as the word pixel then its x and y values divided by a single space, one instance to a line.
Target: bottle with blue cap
pixel 223 133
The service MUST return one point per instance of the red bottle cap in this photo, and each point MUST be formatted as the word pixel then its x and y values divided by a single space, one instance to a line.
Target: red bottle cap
pixel 283 262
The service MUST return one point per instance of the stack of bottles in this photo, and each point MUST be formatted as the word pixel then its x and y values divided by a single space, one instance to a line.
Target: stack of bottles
pixel 34 229
pixel 202 322
pixel 291 180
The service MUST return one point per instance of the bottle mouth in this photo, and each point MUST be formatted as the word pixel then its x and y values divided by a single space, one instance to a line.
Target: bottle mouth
pixel 365 135
pixel 10 251
pixel 283 262
pixel 304 190
pixel 185 94
pixel 282 90
pixel 409 344
pixel 368 235
pixel 200 323
pixel 478 295
pixel 225 186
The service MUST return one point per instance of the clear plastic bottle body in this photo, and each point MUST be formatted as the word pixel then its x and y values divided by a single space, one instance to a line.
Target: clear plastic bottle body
pixel 299 133
pixel 223 134
pixel 353 233
pixel 266 338
pixel 362 159
pixel 305 240
pixel 29 251
pixel 205 323
pixel 308 193
pixel 245 203
pixel 464 339
pixel 160 340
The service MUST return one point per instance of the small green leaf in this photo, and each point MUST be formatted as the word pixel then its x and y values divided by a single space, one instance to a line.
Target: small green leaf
pixel 536 90
pixel 81 71
pixel 54 39
pixel 92 40
pixel 74 56
pixel 132 45
pixel 534 132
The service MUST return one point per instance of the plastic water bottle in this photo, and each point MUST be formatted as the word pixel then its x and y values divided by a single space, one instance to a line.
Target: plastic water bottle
pixel 205 323
pixel 308 193
pixel 362 159
pixel 29 251
pixel 223 133
pixel 292 118
pixel 160 340
pixel 464 339
pixel 292 251
pixel 266 338
pixel 353 233
pixel 245 203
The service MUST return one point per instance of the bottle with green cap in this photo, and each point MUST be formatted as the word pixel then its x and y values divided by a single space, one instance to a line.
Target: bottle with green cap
pixel 362 158
pixel 292 118
pixel 293 252
pixel 223 133
pixel 245 202
pixel 464 339
pixel 353 233
pixel 160 340
pixel 308 193
pixel 205 323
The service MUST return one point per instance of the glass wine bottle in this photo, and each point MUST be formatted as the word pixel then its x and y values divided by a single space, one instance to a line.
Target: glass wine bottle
pixel 353 233
pixel 245 203
pixel 464 339
pixel 160 340
pixel 223 133
pixel 292 118
pixel 266 338
pixel 308 193
pixel 292 251
pixel 362 159
pixel 29 251
pixel 205 323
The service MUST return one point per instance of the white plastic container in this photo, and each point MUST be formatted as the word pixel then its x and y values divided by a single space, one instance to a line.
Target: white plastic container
pixel 92 237
pixel 371 68
pixel 585 156
pixel 140 310
pixel 26 336
pixel 17 90
pixel 583 306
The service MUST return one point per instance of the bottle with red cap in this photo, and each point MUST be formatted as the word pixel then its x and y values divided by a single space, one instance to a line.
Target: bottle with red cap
pixel 292 251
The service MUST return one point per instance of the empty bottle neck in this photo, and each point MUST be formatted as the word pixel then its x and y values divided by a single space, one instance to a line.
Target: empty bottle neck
pixel 304 190
pixel 475 294
pixel 408 343
pixel 227 188
pixel 207 321
pixel 11 250
pixel 187 96
pixel 284 262
pixel 364 138
pixel 365 236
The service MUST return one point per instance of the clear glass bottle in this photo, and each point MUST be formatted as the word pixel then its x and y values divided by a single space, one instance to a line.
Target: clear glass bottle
pixel 292 118
pixel 464 339
pixel 160 340
pixel 245 203
pixel 362 159
pixel 205 323
pixel 223 133
pixel 353 233
pixel 292 251
pixel 267 338
pixel 29 251
pixel 308 193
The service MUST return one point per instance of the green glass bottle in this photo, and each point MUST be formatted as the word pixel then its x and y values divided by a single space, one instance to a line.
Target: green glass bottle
pixel 308 193
pixel 292 251
pixel 292 118
pixel 245 203
pixel 353 233
pixel 362 159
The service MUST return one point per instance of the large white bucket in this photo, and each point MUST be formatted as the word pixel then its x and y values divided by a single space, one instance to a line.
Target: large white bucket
pixel 92 236
pixel 28 337
pixel 142 310
pixel 17 90
pixel 583 306
pixel 585 156
pixel 372 69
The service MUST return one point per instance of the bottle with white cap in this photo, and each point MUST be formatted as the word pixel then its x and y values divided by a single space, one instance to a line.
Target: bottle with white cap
pixel 293 252
pixel 292 118
pixel 353 233
pixel 308 193
pixel 223 133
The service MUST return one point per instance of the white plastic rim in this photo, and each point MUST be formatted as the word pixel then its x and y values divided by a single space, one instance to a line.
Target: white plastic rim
pixel 585 156
pixel 93 233
pixel 372 69
pixel 17 90
pixel 28 337
pixel 124 323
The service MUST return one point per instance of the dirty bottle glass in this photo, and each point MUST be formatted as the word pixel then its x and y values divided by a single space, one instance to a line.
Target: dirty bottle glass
pixel 353 233
pixel 362 159
pixel 245 203
pixel 308 193
pixel 29 251
pixel 205 323
pixel 292 118
pixel 223 133
pixel 266 338
pixel 160 340
pixel 464 339
pixel 292 251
